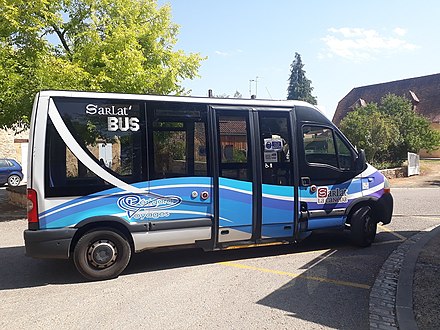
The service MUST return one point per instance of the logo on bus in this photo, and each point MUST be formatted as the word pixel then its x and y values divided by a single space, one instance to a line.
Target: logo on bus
pixel 117 117
pixel 333 196
pixel 141 208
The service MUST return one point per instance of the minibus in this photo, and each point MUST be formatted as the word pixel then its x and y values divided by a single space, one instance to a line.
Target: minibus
pixel 115 174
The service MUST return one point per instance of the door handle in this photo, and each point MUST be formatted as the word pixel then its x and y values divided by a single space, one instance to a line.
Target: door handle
pixel 305 181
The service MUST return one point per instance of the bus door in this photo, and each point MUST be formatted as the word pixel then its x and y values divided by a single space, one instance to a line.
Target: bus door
pixel 256 194
pixel 277 162
pixel 236 181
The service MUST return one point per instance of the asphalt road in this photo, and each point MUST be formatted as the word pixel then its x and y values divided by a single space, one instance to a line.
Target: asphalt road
pixel 324 282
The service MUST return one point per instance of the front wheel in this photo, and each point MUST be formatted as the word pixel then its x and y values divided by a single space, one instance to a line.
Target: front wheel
pixel 101 254
pixel 363 227
pixel 14 180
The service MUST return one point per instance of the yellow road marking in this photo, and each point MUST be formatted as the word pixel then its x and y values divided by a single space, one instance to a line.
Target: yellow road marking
pixel 294 275
pixel 311 252
pixel 402 238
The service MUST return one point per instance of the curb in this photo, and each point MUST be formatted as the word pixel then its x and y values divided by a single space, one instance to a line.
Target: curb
pixel 391 301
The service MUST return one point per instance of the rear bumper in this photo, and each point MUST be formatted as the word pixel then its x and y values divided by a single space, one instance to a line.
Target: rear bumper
pixel 50 243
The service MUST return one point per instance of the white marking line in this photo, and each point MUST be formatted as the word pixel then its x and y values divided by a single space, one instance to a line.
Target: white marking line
pixel 321 258
pixel 388 242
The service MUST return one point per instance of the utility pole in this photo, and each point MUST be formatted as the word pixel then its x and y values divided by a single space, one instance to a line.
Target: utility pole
pixel 256 85
pixel 250 87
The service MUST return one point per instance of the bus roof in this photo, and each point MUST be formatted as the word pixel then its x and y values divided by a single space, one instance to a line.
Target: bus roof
pixel 189 99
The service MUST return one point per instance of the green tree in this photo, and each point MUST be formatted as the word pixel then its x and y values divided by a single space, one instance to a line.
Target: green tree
pixel 414 129
pixel 300 88
pixel 371 130
pixel 389 130
pixel 114 46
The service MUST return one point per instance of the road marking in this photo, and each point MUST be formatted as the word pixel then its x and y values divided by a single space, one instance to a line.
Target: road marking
pixel 418 216
pixel 402 238
pixel 388 242
pixel 246 246
pixel 318 259
pixel 294 275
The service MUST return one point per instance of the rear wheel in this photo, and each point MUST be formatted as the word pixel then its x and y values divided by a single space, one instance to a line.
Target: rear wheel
pixel 363 227
pixel 101 254
pixel 14 180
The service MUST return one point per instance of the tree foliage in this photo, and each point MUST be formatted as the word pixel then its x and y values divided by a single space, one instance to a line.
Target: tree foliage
pixel 300 88
pixel 371 130
pixel 387 131
pixel 92 45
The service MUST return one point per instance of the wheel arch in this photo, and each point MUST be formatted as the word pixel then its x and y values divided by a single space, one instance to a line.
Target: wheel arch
pixel 17 173
pixel 102 222
pixel 372 202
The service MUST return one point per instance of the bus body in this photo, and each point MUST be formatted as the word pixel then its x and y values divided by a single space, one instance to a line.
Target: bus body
pixel 112 174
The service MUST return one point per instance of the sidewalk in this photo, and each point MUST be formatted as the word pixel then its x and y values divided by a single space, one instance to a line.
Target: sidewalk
pixel 406 293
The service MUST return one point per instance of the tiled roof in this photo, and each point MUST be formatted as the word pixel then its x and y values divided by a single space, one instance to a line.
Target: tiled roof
pixel 424 92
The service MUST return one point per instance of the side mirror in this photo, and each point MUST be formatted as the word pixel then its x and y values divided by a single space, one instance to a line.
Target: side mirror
pixel 361 161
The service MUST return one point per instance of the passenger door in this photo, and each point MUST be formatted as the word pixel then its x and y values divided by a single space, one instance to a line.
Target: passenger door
pixel 237 187
pixel 277 162
pixel 254 157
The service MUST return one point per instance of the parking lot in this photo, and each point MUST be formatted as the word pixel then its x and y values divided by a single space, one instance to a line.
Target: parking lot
pixel 324 282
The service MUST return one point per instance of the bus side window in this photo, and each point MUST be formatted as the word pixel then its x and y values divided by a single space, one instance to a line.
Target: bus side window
pixel 276 143
pixel 234 147
pixel 323 146
pixel 345 156
pixel 177 140
pixel 319 145
pixel 115 142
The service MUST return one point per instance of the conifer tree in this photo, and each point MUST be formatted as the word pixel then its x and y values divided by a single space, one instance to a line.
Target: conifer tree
pixel 300 88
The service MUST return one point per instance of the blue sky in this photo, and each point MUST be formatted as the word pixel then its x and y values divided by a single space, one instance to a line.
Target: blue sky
pixel 343 44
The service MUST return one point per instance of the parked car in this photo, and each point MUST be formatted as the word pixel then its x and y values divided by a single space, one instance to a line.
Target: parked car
pixel 10 172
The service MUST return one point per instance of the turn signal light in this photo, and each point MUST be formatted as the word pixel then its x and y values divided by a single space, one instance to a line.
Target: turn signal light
pixel 387 187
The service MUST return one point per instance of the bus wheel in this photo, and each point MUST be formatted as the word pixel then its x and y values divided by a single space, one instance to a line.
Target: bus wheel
pixel 101 254
pixel 363 227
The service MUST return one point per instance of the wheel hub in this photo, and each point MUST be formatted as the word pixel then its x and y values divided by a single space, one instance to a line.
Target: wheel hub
pixel 102 253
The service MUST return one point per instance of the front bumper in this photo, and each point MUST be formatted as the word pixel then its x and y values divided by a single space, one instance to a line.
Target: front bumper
pixel 384 208
pixel 49 243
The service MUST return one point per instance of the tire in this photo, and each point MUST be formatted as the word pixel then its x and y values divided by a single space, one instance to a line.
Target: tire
pixel 14 180
pixel 101 254
pixel 363 227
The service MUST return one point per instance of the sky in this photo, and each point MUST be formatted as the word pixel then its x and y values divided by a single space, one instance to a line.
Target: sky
pixel 250 44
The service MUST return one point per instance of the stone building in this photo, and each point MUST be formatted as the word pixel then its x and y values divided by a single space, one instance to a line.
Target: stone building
pixel 423 92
